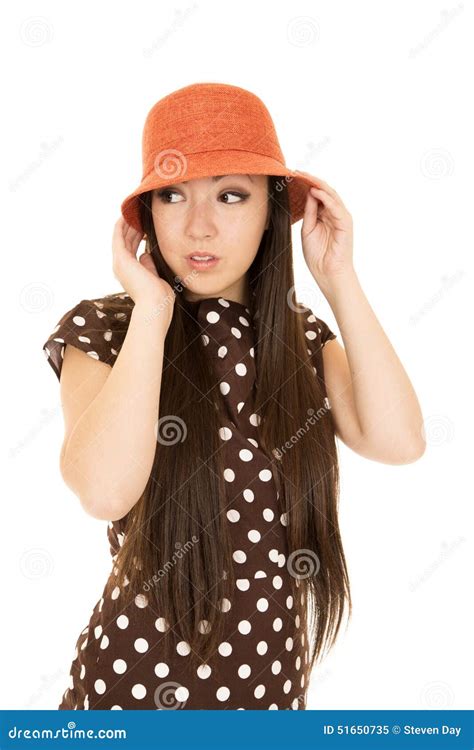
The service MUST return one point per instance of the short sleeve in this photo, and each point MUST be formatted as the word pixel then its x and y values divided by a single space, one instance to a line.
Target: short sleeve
pixel 88 327
pixel 317 333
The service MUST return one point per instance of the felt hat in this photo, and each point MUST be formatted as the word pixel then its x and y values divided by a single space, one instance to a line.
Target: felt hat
pixel 210 129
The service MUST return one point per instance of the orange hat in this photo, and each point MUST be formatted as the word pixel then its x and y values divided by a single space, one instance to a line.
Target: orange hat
pixel 208 129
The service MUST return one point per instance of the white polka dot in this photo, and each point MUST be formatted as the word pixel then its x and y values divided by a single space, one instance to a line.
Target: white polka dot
pixel 240 369
pixel 254 535
pixel 277 582
pixel 116 708
pixel 273 707
pixel 239 556
pixel 244 671
pixel 298 662
pixel 244 321
pixel 294 704
pixel 115 593
pixel 311 334
pixel 225 433
pixel 222 351
pixel 100 686
pixel 276 667
pixel 289 602
pixel 262 647
pixel 213 317
pixel 281 560
pixel 141 600
pixel 161 669
pixel 104 642
pixel 119 666
pixel 229 475
pixel 248 496
pixel 289 644
pixel 259 691
pixel 245 455
pixel 225 649
pixel 233 515
pixel 262 604
pixel 161 624
pixel 243 584
pixel 222 693
pixel 277 623
pixel 287 686
pixel 268 514
pixel 225 604
pixel 284 519
pixel 265 475
pixel 273 555
pixel 224 388
pixel 183 648
pixel 236 332
pixel 141 645
pixel 203 671
pixel 98 631
pixel 122 622
pixel 181 693
pixel 204 627
pixel 244 627
pixel 83 672
pixel 139 691
pixel 255 419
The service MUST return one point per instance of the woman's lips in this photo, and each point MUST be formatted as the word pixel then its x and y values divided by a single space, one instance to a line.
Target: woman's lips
pixel 203 264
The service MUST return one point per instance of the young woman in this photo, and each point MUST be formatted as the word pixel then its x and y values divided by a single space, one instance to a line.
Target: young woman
pixel 202 407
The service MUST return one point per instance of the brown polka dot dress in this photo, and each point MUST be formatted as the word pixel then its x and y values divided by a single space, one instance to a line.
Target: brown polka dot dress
pixel 118 662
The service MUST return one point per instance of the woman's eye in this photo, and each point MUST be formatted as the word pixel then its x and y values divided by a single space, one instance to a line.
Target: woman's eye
pixel 239 195
pixel 163 195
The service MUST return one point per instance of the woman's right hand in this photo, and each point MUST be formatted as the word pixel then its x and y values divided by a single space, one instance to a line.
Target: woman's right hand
pixel 139 277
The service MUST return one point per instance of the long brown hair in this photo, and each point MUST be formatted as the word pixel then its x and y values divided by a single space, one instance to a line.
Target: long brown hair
pixel 176 547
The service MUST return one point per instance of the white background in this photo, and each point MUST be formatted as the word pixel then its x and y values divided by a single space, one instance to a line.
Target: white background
pixel 371 97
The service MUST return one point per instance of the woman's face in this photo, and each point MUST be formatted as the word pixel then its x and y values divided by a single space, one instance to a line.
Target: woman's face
pixel 222 216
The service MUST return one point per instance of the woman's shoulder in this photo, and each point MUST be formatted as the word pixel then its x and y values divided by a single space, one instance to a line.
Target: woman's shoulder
pixel 97 326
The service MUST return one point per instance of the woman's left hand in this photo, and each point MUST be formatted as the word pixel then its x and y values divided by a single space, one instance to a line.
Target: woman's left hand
pixel 326 234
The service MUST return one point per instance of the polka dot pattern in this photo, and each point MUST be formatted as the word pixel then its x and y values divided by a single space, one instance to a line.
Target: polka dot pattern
pixel 262 659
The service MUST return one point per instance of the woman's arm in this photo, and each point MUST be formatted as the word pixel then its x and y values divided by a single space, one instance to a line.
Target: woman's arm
pixel 373 403
pixel 108 456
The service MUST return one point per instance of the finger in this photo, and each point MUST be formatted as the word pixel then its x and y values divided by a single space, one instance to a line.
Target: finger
pixel 334 207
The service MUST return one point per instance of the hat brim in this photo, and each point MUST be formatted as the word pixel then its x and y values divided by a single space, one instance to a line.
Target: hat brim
pixel 180 169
